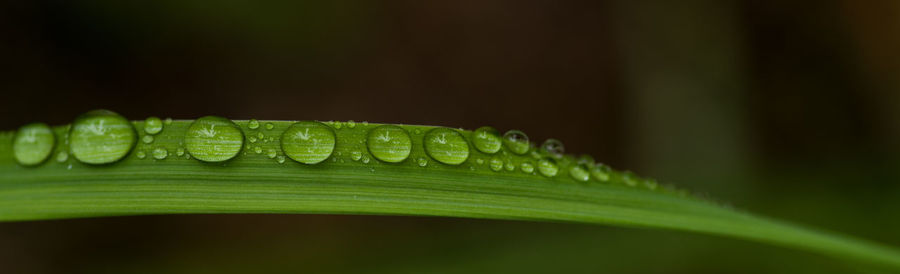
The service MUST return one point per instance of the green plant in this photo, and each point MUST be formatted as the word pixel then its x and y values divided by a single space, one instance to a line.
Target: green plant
pixel 105 165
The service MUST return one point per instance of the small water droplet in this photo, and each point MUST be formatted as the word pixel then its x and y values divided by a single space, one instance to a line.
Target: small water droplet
pixel 260 135
pixel 270 126
pixel 365 159
pixel 147 139
pixel 336 124
pixel 62 156
pixel 580 173
pixel 257 149
pixel 496 164
pixel 600 172
pixel 527 167
pixel 253 124
pixel 167 121
pixel 153 125
pixel 252 139
pixel 417 131
pixel 487 139
pixel 479 161
pixel 389 143
pixel 447 146
pixel 422 161
pixel 365 123
pixel 213 139
pixel 553 147
pixel 271 153
pixel 179 151
pixel 280 159
pixel 141 155
pixel 585 160
pixel 101 137
pixel 516 141
pixel 33 144
pixel 308 142
pixel 69 166
pixel 629 179
pixel 160 153
pixel 547 167
pixel 510 166
pixel 351 124
pixel 355 155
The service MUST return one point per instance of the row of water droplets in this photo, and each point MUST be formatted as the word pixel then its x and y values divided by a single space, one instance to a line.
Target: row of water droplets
pixel 103 137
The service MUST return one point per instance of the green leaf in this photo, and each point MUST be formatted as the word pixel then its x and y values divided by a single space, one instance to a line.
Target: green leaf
pixel 159 176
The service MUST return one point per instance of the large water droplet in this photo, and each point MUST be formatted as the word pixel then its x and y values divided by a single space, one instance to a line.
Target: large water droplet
pixel 580 173
pixel 33 144
pixel 487 140
pixel 101 137
pixel 446 146
pixel 253 124
pixel 153 125
pixel 389 143
pixel 213 139
pixel 160 153
pixel 308 142
pixel 516 141
pixel 547 167
pixel 553 147
pixel 600 172
pixel 496 164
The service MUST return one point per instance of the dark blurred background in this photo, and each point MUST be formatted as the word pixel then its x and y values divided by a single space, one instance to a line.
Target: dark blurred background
pixel 784 108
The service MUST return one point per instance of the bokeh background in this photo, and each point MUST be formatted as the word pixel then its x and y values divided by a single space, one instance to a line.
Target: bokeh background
pixel 784 108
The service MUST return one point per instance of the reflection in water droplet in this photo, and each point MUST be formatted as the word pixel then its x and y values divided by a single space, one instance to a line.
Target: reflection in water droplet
pixel 33 144
pixel 213 139
pixel 547 167
pixel 553 147
pixel 160 153
pixel 527 167
pixel 253 124
pixel 101 137
pixel 487 139
pixel 516 141
pixel 308 142
pixel 389 143
pixel 496 164
pixel 446 146
pixel 153 125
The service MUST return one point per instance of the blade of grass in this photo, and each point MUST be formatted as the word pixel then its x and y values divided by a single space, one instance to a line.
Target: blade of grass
pixel 351 182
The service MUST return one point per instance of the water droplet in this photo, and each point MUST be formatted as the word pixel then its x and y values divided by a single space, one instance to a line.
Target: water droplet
pixel 365 123
pixel 271 153
pixel 213 139
pixel 351 124
pixel 629 179
pixel 510 166
pixel 365 159
pixel 417 131
pixel 496 164
pixel 62 156
pixel 356 155
pixel 422 161
pixel 516 141
pixel 270 126
pixel 479 161
pixel 389 143
pixel 527 167
pixel 579 173
pixel 600 172
pixel 554 147
pixel 253 124
pixel 141 155
pixel 167 121
pixel 336 124
pixel 585 160
pixel 487 140
pixel 547 167
pixel 651 184
pixel 153 125
pixel 147 139
pixel 101 137
pixel 252 139
pixel 446 146
pixel 33 144
pixel 260 135
pixel 308 142
pixel 160 153
pixel 179 151
pixel 280 159
pixel 257 149
pixel 69 166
